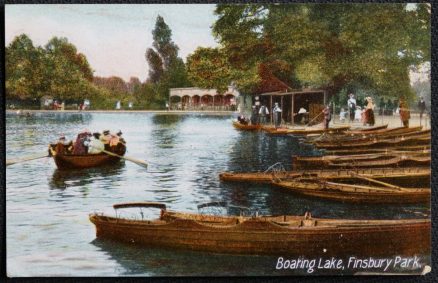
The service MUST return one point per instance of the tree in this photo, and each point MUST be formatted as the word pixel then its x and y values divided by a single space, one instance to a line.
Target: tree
pixel 166 69
pixel 24 69
pixel 209 68
pixel 329 45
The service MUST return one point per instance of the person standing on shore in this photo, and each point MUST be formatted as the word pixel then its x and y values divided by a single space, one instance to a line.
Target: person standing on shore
pixel 263 112
pixel 405 114
pixel 351 106
pixel 369 112
pixel 327 117
pixel 277 115
pixel 421 107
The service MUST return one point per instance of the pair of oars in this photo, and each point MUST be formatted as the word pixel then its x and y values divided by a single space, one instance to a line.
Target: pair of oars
pixel 39 156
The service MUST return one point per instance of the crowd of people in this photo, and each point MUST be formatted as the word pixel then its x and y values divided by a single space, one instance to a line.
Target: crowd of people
pixel 354 113
pixel 259 115
pixel 91 143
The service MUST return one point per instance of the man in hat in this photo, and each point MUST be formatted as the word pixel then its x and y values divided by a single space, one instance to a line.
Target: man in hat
pixel 96 145
pixel 263 112
pixel 277 115
pixel 351 106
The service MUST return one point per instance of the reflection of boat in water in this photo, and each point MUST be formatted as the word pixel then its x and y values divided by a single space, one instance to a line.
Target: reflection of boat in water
pixel 62 179
pixel 65 160
pixel 291 235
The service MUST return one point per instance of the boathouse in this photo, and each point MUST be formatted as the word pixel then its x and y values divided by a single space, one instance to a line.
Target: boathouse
pixel 291 101
pixel 195 98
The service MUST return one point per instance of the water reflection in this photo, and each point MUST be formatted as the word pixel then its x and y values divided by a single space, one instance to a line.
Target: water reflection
pixel 62 179
pixel 141 261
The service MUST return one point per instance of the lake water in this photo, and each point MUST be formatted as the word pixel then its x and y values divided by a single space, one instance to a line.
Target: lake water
pixel 48 231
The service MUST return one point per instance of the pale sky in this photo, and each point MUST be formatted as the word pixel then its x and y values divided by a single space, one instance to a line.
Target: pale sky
pixel 114 38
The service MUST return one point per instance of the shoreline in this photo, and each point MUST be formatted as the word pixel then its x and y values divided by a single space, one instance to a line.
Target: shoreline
pixel 172 112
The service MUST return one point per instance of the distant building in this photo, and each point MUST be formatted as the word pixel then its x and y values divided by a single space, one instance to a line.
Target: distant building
pixel 195 98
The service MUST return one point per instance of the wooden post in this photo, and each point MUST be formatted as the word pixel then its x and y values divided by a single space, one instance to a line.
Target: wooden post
pixel 293 106
pixel 334 113
pixel 325 97
pixel 282 109
pixel 213 102
pixel 271 109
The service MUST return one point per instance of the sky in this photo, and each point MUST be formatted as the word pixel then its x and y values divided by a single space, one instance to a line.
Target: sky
pixel 114 38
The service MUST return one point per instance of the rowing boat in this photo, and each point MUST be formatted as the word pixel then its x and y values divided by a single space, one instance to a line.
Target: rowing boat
pixel 276 235
pixel 336 140
pixel 377 143
pixel 66 161
pixel 415 175
pixel 306 131
pixel 240 126
pixel 398 149
pixel 368 129
pixel 385 193
pixel 361 161
pixel 397 130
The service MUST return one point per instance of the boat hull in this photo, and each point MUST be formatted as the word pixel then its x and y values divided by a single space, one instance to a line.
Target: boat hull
pixel 240 126
pixel 415 175
pixel 84 161
pixel 262 237
pixel 356 194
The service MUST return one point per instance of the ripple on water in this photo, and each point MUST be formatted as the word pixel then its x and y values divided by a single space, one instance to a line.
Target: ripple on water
pixel 48 231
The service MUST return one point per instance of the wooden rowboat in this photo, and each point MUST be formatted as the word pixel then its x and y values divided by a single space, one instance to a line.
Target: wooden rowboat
pixel 361 161
pixel 399 149
pixel 306 131
pixel 385 193
pixel 336 140
pixel 240 126
pixel 397 130
pixel 75 161
pixel 276 235
pixel 416 175
pixel 368 129
pixel 384 143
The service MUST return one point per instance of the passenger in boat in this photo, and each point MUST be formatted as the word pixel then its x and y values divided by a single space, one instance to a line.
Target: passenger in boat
pixel 405 114
pixel 96 146
pixel 369 112
pixel 327 117
pixel 352 106
pixel 342 115
pixel 263 112
pixel 81 143
pixel 242 120
pixel 277 115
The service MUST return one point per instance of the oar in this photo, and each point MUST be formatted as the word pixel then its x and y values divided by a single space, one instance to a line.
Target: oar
pixel 28 158
pixel 138 162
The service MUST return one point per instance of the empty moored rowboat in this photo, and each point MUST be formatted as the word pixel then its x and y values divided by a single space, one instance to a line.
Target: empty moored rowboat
pixel 361 161
pixel 416 175
pixel 240 126
pixel 76 161
pixel 397 142
pixel 332 141
pixel 276 235
pixel 368 129
pixel 400 149
pixel 307 131
pixel 397 130
pixel 385 193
